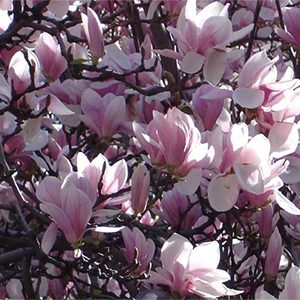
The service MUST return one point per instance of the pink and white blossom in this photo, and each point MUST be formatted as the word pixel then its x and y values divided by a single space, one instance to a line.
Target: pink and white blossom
pixel 140 186
pixel 70 206
pixel 99 113
pixel 93 31
pixel 186 270
pixel 135 239
pixel 173 142
pixel 210 24
pixel 48 51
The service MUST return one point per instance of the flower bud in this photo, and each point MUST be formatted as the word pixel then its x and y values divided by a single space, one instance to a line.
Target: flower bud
pixel 140 188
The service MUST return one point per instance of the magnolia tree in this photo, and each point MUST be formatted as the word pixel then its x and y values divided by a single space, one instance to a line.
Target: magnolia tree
pixel 149 149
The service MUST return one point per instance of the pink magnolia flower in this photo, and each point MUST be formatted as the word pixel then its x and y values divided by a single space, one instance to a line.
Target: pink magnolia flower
pixel 69 202
pixel 254 169
pixel 173 142
pixel 113 177
pixel 48 51
pixel 186 270
pixel 140 185
pixel 211 25
pixel 257 71
pixel 258 88
pixel 145 248
pixel 249 166
pixel 100 112
pixel 93 31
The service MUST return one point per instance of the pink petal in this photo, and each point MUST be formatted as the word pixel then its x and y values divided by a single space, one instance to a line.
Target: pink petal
pixel 250 178
pixel 90 124
pixel 189 184
pixel 45 190
pixel 286 36
pixel 94 35
pixel 284 138
pixel 217 30
pixel 91 170
pixel 291 289
pixel 115 177
pixel 82 162
pixel 78 208
pixel 239 34
pixel 169 53
pixel 14 289
pixel 192 62
pixel 57 107
pixel 49 238
pixel 191 10
pixel 257 151
pixel 198 258
pixel 129 242
pixel 117 56
pixel 237 140
pixel 248 97
pixel 255 68
pixel 140 188
pixel 48 51
pixel 273 254
pixel 161 277
pixel 176 249
pixel 61 220
pixel 286 204
pixel 90 104
pixel 116 107
pixel 214 66
pixel 223 192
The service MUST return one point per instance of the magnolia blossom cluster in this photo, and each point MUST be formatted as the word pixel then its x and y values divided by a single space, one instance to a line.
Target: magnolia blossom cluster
pixel 149 149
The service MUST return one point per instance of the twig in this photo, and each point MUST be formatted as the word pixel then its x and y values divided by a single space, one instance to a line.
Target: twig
pixel 15 254
pixel 253 32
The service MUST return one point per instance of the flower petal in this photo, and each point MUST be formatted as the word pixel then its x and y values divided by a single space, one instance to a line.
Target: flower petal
pixel 223 192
